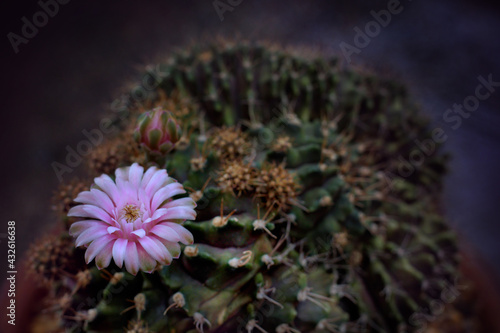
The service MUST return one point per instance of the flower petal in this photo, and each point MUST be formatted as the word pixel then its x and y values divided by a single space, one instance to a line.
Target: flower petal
pixel 127 228
pixel 147 176
pixel 152 248
pixel 173 247
pixel 122 173
pixel 182 202
pixel 78 227
pixel 157 214
pixel 90 211
pixel 119 249
pixel 144 198
pixel 97 198
pixel 166 193
pixel 135 175
pixel 168 256
pixel 106 184
pixel 139 233
pixel 96 246
pixel 157 181
pixel 90 234
pixel 178 213
pixel 146 262
pixel 112 230
pixel 127 193
pixel 103 259
pixel 132 258
pixel 186 236
pixel 165 232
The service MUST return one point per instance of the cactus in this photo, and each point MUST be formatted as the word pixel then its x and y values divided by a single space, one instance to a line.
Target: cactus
pixel 302 224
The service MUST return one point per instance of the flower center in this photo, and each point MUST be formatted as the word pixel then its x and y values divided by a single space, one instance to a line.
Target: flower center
pixel 131 213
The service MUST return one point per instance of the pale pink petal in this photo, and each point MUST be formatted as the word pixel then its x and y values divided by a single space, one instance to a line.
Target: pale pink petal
pixel 147 176
pixel 165 232
pixel 132 259
pixel 122 186
pixel 103 259
pixel 97 198
pixel 144 199
pixel 187 202
pixel 104 201
pixel 78 227
pixel 113 229
pixel 152 248
pixel 178 213
pixel 146 262
pixel 96 246
pixel 90 211
pixel 97 212
pixel 158 213
pixel 138 224
pixel 186 236
pixel 106 184
pixel 86 197
pixel 122 173
pixel 135 175
pixel 157 181
pixel 173 247
pixel 127 228
pixel 166 193
pixel 128 193
pixel 168 256
pixel 119 249
pixel 90 234
pixel 78 211
pixel 139 233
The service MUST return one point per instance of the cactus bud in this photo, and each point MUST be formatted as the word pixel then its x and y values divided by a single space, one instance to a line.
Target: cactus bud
pixel 157 131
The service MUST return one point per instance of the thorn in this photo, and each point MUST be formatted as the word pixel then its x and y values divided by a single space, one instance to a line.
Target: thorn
pixel 262 294
pixel 240 262
pixel 220 221
pixel 261 223
pixel 179 302
pixel 200 321
pixel 253 324
pixel 285 328
pixel 139 304
pixel 306 295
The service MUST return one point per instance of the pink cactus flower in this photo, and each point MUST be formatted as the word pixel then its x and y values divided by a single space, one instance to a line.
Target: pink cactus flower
pixel 134 221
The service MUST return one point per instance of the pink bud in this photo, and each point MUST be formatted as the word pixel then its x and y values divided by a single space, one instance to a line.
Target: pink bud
pixel 157 131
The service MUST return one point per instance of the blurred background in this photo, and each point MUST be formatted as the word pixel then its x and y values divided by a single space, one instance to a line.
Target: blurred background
pixel 64 78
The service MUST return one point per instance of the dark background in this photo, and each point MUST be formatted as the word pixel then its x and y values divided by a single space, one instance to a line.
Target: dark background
pixel 65 78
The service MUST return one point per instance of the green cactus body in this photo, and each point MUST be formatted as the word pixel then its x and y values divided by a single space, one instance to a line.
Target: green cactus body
pixel 302 225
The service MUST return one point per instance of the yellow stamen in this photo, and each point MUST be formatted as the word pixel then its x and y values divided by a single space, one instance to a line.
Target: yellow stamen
pixel 130 213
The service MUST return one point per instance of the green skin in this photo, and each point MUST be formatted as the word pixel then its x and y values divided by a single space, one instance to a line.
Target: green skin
pixel 406 253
